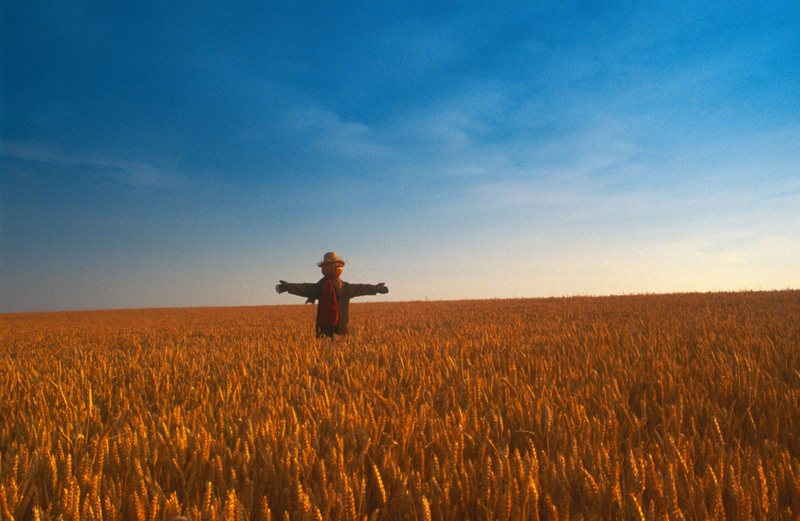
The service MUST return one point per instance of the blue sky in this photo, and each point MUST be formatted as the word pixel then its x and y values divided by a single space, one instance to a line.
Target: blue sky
pixel 155 154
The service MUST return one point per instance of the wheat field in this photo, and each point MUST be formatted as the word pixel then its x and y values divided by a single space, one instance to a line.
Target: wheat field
pixel 682 406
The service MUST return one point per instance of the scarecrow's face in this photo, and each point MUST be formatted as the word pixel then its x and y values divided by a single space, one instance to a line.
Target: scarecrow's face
pixel 332 269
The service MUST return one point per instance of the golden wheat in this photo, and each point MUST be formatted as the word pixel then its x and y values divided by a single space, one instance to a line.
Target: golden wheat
pixel 645 407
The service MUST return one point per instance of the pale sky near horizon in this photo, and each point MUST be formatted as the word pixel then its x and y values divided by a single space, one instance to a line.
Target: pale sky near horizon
pixel 161 154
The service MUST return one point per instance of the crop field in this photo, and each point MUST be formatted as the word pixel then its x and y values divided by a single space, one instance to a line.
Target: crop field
pixel 683 406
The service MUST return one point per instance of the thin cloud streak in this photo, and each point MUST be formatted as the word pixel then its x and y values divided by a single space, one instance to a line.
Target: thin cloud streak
pixel 128 172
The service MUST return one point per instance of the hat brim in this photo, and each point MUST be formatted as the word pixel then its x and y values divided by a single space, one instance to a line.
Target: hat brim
pixel 321 264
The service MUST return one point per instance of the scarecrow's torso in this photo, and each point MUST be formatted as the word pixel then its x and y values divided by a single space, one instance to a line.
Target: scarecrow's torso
pixel 344 292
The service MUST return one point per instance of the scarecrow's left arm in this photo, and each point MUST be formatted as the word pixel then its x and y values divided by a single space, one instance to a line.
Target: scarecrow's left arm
pixel 360 290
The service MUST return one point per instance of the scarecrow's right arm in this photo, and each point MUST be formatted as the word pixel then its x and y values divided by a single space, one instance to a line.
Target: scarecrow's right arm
pixel 309 290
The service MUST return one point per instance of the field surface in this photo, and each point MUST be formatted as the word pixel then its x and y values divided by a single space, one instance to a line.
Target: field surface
pixel 679 406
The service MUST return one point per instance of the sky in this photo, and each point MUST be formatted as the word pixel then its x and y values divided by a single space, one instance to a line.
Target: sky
pixel 162 154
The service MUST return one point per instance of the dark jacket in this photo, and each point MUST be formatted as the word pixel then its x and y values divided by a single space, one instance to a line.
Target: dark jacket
pixel 344 292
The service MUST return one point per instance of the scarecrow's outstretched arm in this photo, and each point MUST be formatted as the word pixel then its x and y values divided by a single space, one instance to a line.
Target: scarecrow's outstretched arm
pixel 359 290
pixel 304 289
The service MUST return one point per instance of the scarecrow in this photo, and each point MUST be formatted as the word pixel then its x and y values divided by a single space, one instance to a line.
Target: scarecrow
pixel 333 294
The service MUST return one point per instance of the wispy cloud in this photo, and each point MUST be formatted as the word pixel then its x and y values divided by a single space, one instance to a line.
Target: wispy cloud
pixel 331 134
pixel 124 171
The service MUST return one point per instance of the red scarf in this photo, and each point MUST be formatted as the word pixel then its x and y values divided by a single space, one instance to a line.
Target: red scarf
pixel 328 307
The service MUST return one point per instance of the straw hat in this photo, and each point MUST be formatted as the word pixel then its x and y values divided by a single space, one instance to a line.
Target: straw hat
pixel 329 258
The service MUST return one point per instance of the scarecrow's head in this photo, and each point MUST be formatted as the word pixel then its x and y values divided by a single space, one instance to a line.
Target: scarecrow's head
pixel 331 265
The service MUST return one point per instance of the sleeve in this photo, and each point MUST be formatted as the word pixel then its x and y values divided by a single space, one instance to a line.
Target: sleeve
pixel 360 290
pixel 308 290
